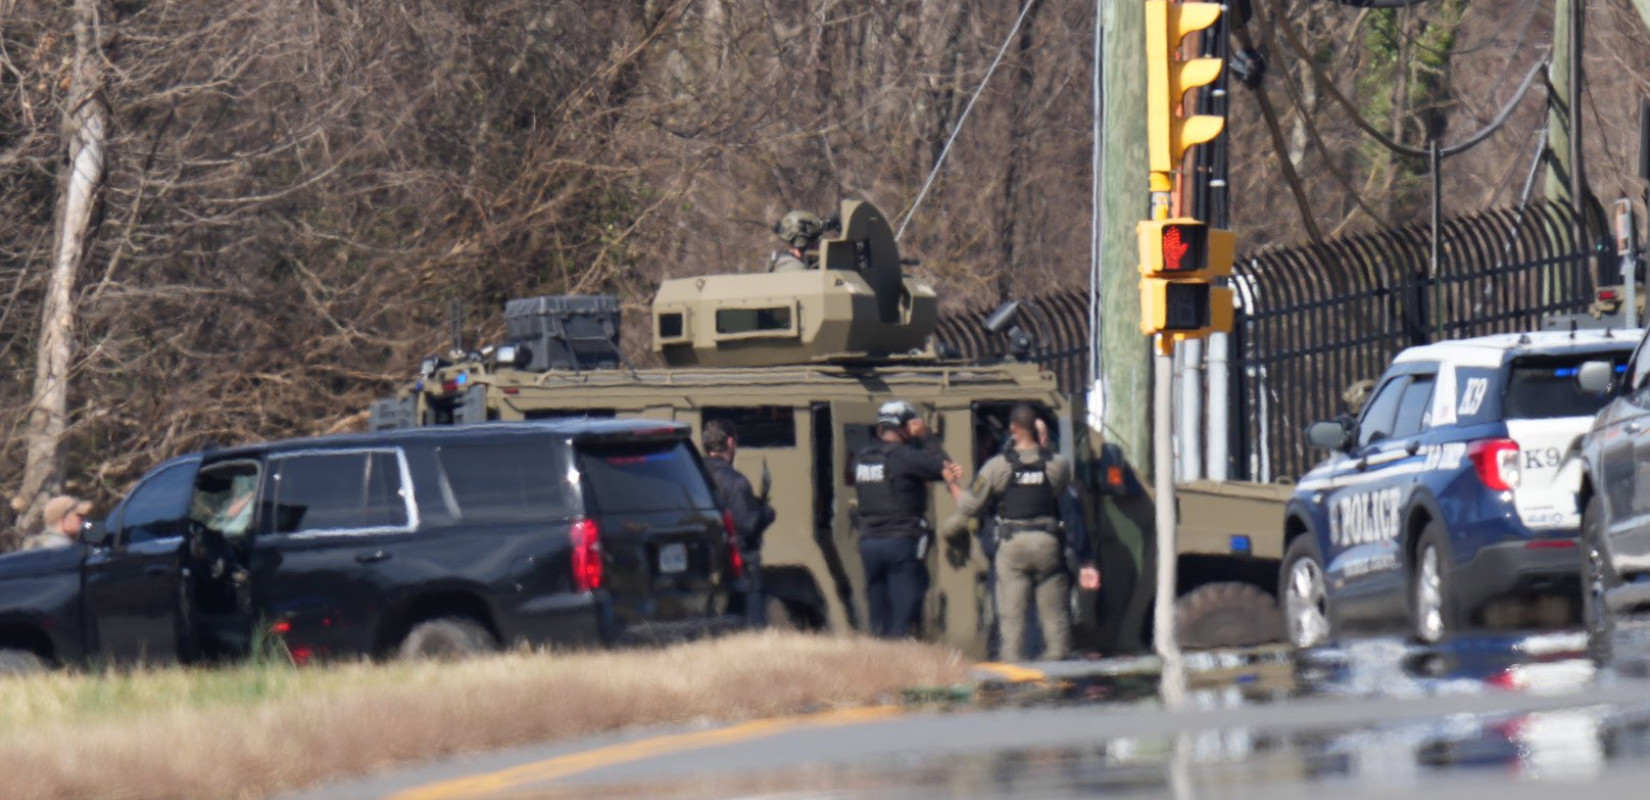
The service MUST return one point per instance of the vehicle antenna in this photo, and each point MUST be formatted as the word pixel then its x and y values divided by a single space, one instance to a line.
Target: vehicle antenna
pixel 455 321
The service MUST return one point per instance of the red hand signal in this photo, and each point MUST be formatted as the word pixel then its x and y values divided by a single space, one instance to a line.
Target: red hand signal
pixel 1173 249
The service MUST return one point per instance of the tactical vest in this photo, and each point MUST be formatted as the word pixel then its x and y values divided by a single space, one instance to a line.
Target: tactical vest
pixel 1030 492
pixel 887 506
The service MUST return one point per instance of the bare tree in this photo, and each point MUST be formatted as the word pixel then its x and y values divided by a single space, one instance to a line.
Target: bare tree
pixel 85 126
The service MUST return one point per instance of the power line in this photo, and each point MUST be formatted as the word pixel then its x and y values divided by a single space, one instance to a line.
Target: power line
pixel 946 151
pixel 1328 86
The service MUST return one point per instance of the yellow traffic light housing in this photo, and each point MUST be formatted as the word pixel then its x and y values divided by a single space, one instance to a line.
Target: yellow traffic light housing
pixel 1180 259
pixel 1168 78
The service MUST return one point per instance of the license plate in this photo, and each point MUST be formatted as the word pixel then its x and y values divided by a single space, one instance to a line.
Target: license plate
pixel 673 558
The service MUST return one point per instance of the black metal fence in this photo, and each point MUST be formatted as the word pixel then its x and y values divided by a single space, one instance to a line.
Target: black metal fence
pixel 1314 320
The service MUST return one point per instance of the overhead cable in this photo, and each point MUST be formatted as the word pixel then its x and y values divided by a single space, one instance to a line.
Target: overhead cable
pixel 1328 87
pixel 946 151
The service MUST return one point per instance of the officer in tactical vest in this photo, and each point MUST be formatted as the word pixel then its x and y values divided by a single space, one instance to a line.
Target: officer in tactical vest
pixel 891 478
pixel 752 515
pixel 801 231
pixel 1025 484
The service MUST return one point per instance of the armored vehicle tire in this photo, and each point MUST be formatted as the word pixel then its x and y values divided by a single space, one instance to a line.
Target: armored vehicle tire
pixel 446 638
pixel 1596 577
pixel 1226 614
pixel 1433 615
pixel 1305 593
pixel 20 662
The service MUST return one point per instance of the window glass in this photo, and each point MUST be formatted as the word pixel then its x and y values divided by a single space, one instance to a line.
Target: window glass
pixel 507 482
pixel 331 491
pixel 1545 387
pixel 158 508
pixel 750 320
pixel 1381 411
pixel 386 503
pixel 1641 364
pixel 225 498
pixel 758 426
pixel 1414 407
pixel 644 476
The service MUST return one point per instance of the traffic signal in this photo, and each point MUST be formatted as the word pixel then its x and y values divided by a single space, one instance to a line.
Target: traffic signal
pixel 1180 259
pixel 1167 80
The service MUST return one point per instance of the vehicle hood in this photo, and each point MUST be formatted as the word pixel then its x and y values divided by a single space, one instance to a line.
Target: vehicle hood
pixel 39 562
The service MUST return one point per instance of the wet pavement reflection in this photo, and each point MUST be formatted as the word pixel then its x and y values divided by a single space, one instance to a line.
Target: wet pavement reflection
pixel 1597 727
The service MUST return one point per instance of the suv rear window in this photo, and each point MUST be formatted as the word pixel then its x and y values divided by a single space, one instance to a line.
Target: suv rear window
pixel 634 477
pixel 523 481
pixel 1545 387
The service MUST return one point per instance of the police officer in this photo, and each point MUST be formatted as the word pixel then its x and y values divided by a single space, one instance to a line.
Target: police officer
pixel 891 478
pixel 801 231
pixel 1026 485
pixel 751 514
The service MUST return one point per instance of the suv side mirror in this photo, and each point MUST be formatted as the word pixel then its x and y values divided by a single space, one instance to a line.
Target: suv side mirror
pixel 1334 434
pixel 1596 377
pixel 95 533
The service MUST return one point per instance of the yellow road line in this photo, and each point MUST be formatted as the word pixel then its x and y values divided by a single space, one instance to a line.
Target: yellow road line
pixel 552 769
pixel 1013 673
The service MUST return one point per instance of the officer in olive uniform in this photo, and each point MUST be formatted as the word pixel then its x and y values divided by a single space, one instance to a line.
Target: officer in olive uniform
pixel 752 515
pixel 891 479
pixel 801 232
pixel 1025 485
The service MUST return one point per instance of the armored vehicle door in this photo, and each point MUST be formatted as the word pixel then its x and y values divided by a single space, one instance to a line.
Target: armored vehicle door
pixel 852 426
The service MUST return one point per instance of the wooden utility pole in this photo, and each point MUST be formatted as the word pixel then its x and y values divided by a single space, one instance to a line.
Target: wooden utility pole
pixel 1566 181
pixel 85 126
pixel 1125 360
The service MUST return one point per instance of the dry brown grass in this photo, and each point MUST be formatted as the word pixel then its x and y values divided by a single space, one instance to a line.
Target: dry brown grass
pixel 183 734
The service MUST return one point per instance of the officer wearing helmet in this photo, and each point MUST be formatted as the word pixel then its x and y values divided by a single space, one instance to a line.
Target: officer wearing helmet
pixel 891 479
pixel 801 231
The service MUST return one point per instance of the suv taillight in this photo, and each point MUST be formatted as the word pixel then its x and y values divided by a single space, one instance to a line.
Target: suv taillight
pixel 587 555
pixel 1497 463
pixel 736 560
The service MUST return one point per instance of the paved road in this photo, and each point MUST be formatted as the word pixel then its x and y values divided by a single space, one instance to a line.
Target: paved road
pixel 1503 718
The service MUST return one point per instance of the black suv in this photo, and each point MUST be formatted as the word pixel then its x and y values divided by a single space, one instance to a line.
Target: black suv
pixel 426 541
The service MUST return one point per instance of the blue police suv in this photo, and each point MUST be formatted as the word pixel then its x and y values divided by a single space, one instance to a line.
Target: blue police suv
pixel 1453 490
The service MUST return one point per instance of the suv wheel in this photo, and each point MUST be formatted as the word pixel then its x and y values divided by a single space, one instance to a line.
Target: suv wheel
pixel 1432 608
pixel 20 662
pixel 1305 593
pixel 1597 576
pixel 447 638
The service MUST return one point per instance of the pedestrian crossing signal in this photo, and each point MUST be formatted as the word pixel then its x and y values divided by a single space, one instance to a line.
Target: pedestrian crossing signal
pixel 1180 260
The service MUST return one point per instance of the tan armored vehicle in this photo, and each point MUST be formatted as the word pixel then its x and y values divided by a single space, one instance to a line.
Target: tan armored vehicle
pixel 799 362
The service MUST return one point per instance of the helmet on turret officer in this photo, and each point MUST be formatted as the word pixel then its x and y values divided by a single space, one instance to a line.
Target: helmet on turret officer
pixel 800 231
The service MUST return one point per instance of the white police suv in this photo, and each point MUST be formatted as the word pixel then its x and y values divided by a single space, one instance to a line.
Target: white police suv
pixel 1455 487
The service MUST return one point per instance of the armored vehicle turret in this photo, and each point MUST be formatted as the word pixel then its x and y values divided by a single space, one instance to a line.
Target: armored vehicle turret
pixel 853 302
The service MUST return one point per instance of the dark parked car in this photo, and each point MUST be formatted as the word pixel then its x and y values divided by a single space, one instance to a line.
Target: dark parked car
pixel 425 541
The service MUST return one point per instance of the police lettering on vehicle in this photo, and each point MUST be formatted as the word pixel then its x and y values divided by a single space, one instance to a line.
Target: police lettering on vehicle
pixel 1365 517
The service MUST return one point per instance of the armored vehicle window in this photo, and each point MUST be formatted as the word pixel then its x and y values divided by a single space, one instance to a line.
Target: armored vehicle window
pixel 523 481
pixel 758 426
pixel 157 508
pixel 1381 412
pixel 670 326
pixel 1413 407
pixel 342 491
pixel 1545 388
pixel 644 476
pixel 750 320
